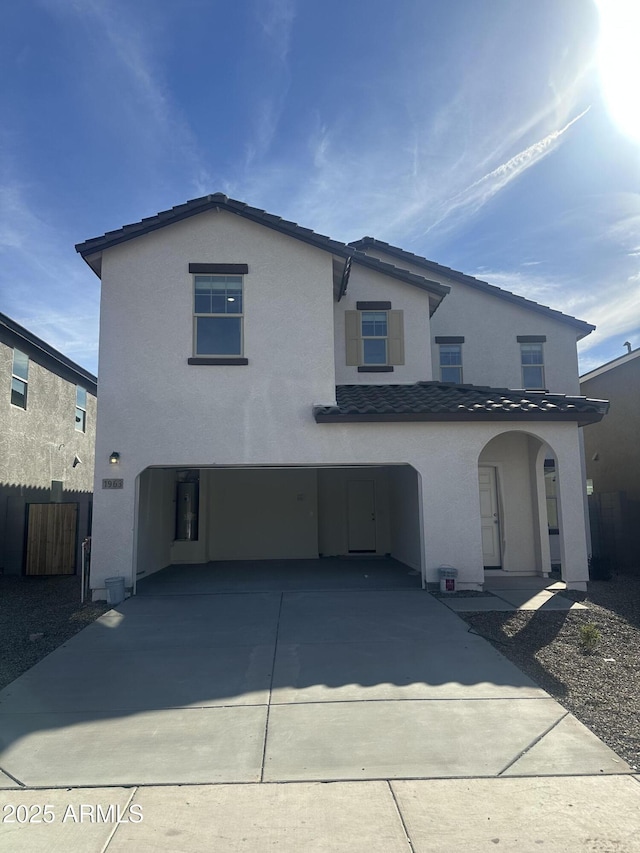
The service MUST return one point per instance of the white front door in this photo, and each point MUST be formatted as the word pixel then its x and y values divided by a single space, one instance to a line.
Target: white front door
pixel 361 515
pixel 489 517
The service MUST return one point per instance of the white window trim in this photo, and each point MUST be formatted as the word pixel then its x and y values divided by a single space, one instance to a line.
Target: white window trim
pixel 458 366
pixel 25 382
pixel 384 338
pixel 540 365
pixel 196 315
pixel 395 346
pixel 83 409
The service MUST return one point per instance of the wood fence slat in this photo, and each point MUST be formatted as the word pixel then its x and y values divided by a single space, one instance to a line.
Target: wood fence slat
pixel 51 539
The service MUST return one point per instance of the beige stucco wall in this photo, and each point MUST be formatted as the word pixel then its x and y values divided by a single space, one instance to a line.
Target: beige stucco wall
pixel 490 326
pixel 367 285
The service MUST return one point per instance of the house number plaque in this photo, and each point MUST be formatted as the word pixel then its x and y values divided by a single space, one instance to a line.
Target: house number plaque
pixel 112 484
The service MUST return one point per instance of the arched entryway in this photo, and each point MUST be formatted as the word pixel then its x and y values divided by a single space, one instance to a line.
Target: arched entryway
pixel 513 504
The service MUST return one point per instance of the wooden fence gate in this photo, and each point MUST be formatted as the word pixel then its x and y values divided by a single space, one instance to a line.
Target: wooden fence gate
pixel 52 532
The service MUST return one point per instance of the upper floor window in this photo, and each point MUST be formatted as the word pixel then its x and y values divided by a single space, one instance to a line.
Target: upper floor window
pixel 81 409
pixel 19 379
pixel 374 337
pixel 375 333
pixel 451 363
pixel 218 315
pixel 532 361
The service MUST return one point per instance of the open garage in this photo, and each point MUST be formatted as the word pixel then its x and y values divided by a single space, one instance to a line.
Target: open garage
pixel 195 516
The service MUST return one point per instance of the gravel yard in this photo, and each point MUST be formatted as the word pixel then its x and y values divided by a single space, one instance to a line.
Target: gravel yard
pixel 37 614
pixel 601 689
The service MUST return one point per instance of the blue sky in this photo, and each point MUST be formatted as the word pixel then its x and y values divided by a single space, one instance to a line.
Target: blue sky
pixel 499 137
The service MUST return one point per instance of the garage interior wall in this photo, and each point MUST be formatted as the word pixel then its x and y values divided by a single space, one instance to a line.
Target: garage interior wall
pixel 333 484
pixel 156 519
pixel 405 515
pixel 261 514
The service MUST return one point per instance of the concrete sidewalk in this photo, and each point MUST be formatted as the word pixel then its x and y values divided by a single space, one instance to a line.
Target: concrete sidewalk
pixel 424 816
pixel 504 593
pixel 319 720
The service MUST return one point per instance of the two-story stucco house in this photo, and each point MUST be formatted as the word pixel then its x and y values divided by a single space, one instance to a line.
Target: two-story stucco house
pixel 47 438
pixel 270 393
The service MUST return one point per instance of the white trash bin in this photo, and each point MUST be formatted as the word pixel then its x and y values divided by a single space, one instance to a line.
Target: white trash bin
pixel 115 590
pixel 448 577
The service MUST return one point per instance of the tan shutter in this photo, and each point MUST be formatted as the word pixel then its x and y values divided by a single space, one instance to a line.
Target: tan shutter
pixel 396 337
pixel 352 329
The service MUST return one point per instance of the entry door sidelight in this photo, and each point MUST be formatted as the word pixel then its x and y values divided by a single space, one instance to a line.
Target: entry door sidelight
pixel 489 518
pixel 361 516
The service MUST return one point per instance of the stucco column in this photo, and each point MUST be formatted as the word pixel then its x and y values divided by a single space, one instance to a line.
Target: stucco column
pixel 112 537
pixel 573 540
pixel 451 507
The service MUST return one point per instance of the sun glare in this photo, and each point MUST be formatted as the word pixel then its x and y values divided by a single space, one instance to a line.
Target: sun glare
pixel 619 60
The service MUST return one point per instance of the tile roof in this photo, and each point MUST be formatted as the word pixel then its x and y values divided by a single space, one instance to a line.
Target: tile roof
pixel 433 267
pixel 219 201
pixel 444 401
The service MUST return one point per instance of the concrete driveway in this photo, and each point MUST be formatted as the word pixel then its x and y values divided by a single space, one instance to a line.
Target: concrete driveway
pixel 355 683
pixel 359 685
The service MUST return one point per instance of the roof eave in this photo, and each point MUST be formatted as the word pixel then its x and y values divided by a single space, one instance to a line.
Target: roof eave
pixel 91 250
pixel 583 328
pixel 50 353
pixel 581 418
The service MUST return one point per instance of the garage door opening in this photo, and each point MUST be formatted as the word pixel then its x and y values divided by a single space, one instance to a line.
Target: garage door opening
pixel 211 517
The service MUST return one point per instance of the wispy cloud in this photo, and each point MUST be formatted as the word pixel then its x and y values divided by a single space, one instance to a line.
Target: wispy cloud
pixel 418 179
pixel 42 259
pixel 124 63
pixel 275 19
pixel 474 197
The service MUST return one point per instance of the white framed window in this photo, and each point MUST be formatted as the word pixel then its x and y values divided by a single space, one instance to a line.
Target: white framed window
pixel 19 379
pixel 532 362
pixel 374 337
pixel 81 409
pixel 374 330
pixel 451 363
pixel 218 315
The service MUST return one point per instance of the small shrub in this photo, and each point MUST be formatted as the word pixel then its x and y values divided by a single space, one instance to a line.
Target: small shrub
pixel 589 637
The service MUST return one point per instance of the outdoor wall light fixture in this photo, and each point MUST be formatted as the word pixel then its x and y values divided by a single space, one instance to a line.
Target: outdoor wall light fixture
pixel 114 458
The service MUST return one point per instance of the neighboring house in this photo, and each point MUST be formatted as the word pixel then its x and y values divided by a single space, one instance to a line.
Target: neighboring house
pixel 269 393
pixel 612 451
pixel 47 437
